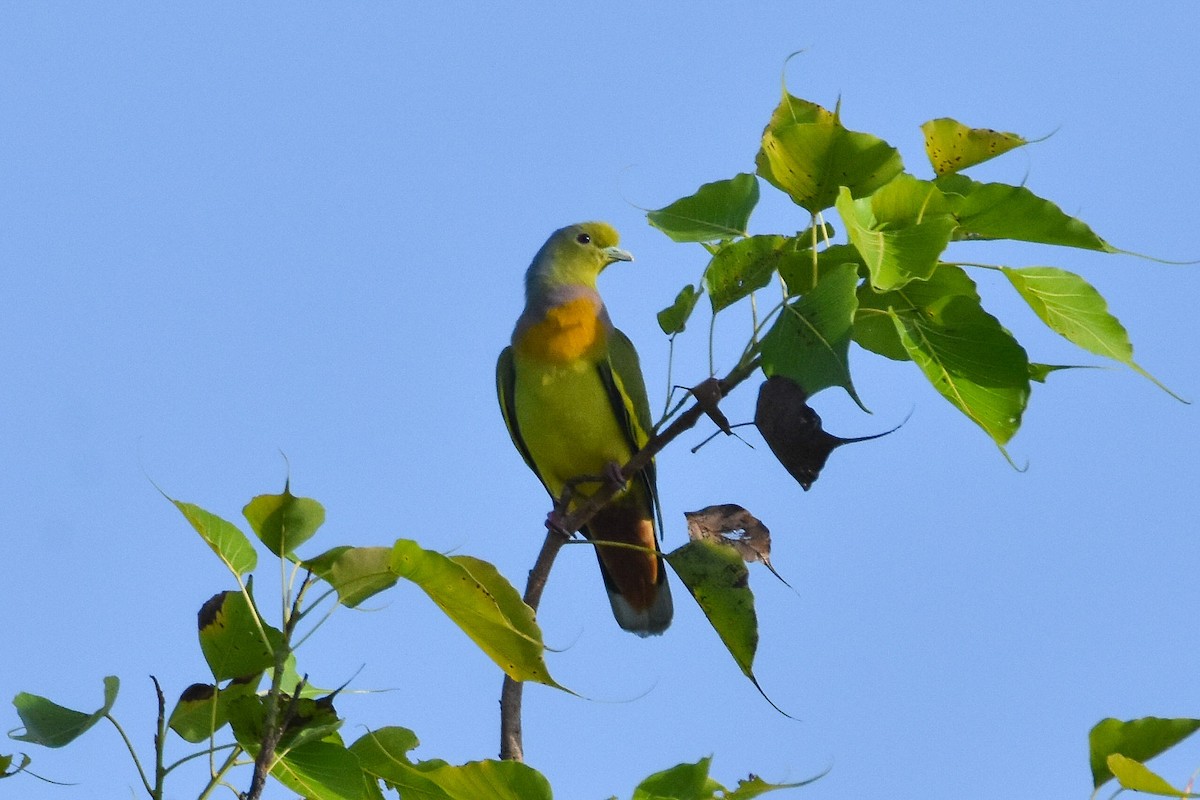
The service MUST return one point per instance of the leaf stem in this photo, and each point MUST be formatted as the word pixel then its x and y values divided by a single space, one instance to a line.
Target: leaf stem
pixel 133 753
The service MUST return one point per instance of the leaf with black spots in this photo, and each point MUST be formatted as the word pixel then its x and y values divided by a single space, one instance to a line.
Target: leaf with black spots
pixel 233 637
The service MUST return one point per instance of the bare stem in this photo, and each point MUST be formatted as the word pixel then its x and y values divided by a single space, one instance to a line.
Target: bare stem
pixel 511 746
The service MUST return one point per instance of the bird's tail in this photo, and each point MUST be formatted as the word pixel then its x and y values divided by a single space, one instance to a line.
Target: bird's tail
pixel 636 580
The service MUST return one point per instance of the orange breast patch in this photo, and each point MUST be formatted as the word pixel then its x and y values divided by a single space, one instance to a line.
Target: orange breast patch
pixel 568 332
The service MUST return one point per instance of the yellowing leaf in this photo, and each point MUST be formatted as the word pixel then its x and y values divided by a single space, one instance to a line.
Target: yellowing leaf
pixel 1136 776
pixel 482 603
pixel 952 146
pixel 1138 739
pixel 808 153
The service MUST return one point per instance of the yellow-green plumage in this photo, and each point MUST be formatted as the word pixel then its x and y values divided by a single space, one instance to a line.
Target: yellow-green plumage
pixel 574 401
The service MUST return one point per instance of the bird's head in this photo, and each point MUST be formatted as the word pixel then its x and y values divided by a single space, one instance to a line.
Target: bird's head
pixel 575 256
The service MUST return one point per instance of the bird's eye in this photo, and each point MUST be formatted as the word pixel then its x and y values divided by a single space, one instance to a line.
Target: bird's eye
pixel 583 238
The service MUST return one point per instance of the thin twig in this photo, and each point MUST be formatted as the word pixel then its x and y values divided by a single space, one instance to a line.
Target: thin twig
pixel 160 740
pixel 511 747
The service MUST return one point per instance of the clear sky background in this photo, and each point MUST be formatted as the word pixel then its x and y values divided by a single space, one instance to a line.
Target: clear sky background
pixel 232 230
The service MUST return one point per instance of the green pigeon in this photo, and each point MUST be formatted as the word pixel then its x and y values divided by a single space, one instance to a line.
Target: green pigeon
pixel 574 400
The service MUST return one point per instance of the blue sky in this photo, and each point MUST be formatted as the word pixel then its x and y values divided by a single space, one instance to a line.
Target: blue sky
pixel 232 231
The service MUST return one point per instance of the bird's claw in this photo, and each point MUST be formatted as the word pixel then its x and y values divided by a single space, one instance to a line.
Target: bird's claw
pixel 614 475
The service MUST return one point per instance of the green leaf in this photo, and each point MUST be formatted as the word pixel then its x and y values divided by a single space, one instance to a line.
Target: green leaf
pixel 798 273
pixel 900 231
pixel 808 153
pixel 874 329
pixel 810 342
pixel 681 782
pixel 952 146
pixel 755 786
pixel 383 753
pixel 1138 777
pixel 972 361
pixel 1040 372
pixel 673 319
pixel 742 267
pixel 1138 739
pixel 1001 211
pixel 6 761
pixel 51 725
pixel 234 640
pixel 283 522
pixel 357 573
pixel 718 210
pixel 483 604
pixel 230 544
pixel 1072 308
pixel 718 579
pixel 203 709
pixel 322 771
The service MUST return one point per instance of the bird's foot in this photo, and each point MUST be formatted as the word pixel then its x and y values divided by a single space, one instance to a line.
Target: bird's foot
pixel 554 523
pixel 614 476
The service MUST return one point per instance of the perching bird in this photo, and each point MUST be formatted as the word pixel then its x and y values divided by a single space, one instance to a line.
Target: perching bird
pixel 574 401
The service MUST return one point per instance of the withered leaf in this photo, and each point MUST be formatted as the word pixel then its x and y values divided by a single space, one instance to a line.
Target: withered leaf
pixel 730 524
pixel 708 395
pixel 793 429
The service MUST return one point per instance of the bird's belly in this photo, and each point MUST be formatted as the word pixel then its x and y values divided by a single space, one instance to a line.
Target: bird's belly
pixel 567 422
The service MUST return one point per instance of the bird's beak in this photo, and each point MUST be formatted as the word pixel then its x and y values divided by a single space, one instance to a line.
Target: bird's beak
pixel 617 254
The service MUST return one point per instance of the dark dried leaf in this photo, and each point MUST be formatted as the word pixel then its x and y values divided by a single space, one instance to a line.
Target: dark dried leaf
pixel 708 395
pixel 732 525
pixel 793 430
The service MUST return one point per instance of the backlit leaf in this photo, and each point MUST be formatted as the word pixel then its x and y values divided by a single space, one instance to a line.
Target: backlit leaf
pixel 383 753
pixel 1001 211
pixel 952 146
pixel 1136 776
pixel 900 232
pixel 810 341
pixel 229 543
pixel 808 153
pixel 357 573
pixel 874 329
pixel 1071 307
pixel 681 782
pixel 972 361
pixel 283 522
pixel 482 605
pixel 718 210
pixel 322 771
pixel 1138 739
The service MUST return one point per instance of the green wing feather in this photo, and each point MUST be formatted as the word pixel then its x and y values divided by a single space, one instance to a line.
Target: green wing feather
pixel 506 386
pixel 622 378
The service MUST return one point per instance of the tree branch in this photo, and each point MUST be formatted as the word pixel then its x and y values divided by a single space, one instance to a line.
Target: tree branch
pixel 511 745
